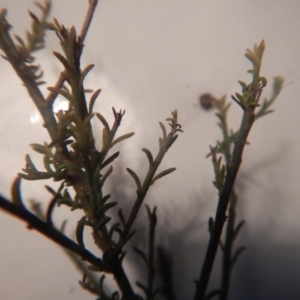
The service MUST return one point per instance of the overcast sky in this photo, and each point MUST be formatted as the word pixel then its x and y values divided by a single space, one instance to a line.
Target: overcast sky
pixel 153 57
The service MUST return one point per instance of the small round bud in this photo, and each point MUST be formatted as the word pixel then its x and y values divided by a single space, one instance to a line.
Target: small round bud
pixel 206 101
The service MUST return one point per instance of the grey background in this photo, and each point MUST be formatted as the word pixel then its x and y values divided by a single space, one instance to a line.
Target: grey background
pixel 152 57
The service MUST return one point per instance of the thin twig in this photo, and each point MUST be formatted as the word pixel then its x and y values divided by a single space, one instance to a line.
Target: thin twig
pixel 53 94
pixel 88 19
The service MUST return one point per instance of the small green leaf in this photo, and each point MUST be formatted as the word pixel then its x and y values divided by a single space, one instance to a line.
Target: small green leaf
pixel 62 60
pixel 86 70
pixel 93 100
pixel 129 236
pixel 47 160
pixel 236 255
pixel 106 207
pixel 50 190
pixel 105 198
pixel 162 174
pixel 243 85
pixel 141 254
pixel 149 156
pixel 121 138
pixel 62 92
pixel 110 159
pixel 160 141
pixel 135 177
pixel 104 122
pixel 114 228
pixel 238 229
pixel 16 193
pixel 29 164
pixel 20 41
pixel 56 24
pixel 102 222
pixel 36 176
pixel 240 97
pixel 65 201
pixel 163 128
pixel 106 139
pixel 216 185
pixel 63 226
pixel 106 174
pixel 79 231
pixel 263 81
pixel 87 119
pixel 122 218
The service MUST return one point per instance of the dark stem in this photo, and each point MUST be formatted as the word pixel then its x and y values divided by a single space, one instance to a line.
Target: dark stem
pixel 123 282
pixel 49 231
pixel 220 218
pixel 227 250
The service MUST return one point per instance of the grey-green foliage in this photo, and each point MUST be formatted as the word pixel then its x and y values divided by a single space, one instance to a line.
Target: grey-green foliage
pixel 72 158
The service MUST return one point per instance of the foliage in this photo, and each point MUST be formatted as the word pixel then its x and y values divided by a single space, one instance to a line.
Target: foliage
pixel 71 158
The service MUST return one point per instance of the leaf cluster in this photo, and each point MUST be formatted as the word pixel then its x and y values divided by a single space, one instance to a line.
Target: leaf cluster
pixel 71 157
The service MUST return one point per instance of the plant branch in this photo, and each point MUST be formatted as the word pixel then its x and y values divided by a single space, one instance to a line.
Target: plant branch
pixel 248 101
pixel 88 19
pixel 49 231
pixel 220 218
pixel 142 189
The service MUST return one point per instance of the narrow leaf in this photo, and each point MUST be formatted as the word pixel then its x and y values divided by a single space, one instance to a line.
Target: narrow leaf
pixel 50 190
pixel 114 228
pixel 79 231
pixel 110 159
pixel 160 141
pixel 36 176
pixel 106 206
pixel 16 194
pixel 63 226
pixel 115 296
pixel 30 164
pixel 106 139
pixel 102 222
pixel 162 174
pixel 83 74
pixel 121 138
pixel 21 42
pixel 163 128
pixel 105 198
pixel 62 60
pixel 135 177
pixel 103 121
pixel 61 92
pixel 141 254
pixel 106 174
pixel 47 160
pixel 121 216
pixel 93 100
pixel 149 156
pixel 238 229
pixel 129 236
pixel 236 255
